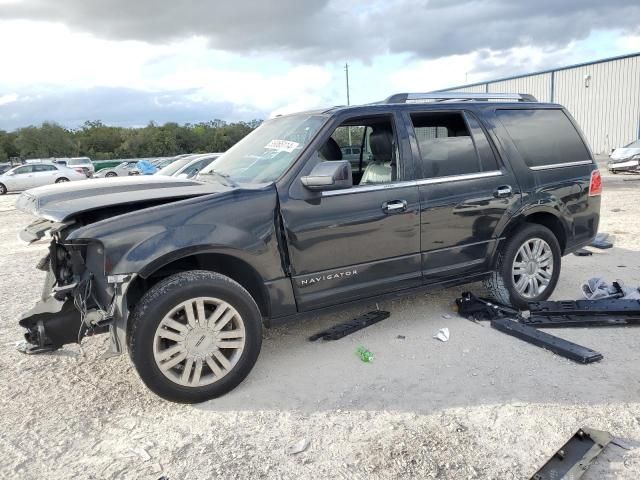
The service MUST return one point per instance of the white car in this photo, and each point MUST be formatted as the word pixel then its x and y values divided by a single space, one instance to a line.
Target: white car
pixel 189 166
pixel 34 175
pixel 625 159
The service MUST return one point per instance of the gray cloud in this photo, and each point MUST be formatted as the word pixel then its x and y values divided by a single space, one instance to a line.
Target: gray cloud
pixel 324 30
pixel 117 106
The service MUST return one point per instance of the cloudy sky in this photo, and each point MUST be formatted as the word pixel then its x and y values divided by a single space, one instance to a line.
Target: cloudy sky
pixel 127 62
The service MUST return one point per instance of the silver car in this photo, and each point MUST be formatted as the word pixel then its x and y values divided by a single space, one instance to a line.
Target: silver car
pixel 189 166
pixel 124 169
pixel 34 175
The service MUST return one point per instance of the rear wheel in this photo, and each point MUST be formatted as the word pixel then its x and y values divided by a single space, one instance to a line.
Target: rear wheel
pixel 527 268
pixel 3 189
pixel 111 174
pixel 62 180
pixel 195 336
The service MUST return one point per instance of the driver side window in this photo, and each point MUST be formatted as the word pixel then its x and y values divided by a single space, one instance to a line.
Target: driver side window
pixel 370 146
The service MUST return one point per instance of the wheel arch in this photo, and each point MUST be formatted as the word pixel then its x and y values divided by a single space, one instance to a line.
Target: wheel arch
pixel 549 218
pixel 224 263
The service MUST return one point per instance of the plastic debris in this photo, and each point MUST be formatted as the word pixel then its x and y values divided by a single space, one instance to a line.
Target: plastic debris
pixel 583 252
pixel 298 447
pixel 365 355
pixel 401 337
pixel 442 335
pixel 603 241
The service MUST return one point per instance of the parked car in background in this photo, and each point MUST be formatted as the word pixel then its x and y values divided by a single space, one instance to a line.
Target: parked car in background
pixel 123 169
pixel 625 159
pixel 189 166
pixel 83 164
pixel 101 164
pixel 355 155
pixel 4 167
pixel 33 175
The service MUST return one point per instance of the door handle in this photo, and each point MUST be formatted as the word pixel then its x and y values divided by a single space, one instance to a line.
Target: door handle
pixel 503 191
pixel 395 206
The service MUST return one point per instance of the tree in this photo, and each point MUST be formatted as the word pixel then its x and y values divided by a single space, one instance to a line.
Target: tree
pixel 49 140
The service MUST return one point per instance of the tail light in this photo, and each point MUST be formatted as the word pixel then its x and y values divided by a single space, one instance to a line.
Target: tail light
pixel 595 186
pixel 79 170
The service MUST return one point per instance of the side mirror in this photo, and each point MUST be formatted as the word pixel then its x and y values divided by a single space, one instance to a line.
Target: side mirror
pixel 335 175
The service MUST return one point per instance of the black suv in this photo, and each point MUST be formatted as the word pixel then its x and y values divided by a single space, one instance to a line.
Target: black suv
pixel 183 274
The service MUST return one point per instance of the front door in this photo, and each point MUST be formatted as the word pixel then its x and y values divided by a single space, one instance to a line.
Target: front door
pixel 466 194
pixel 363 241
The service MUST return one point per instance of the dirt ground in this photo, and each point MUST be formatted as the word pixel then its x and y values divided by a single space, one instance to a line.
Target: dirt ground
pixel 482 405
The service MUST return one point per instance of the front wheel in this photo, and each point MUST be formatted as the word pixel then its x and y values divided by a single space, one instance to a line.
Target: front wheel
pixel 527 268
pixel 111 174
pixel 195 336
pixel 3 189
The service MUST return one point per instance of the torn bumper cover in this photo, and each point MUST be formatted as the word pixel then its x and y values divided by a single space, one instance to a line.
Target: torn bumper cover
pixel 50 324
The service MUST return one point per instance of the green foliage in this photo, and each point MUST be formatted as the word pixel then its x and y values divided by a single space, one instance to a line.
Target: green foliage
pixel 102 142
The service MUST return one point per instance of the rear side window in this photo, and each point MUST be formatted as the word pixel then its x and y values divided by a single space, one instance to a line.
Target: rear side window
pixel 447 146
pixel 544 137
pixel 43 168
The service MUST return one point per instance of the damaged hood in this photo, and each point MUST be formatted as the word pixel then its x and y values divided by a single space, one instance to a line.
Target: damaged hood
pixel 61 202
pixel 622 154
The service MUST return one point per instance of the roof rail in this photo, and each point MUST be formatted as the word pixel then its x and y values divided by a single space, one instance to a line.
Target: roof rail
pixel 463 96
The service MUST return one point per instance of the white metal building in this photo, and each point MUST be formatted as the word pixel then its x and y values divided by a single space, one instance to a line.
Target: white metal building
pixel 603 96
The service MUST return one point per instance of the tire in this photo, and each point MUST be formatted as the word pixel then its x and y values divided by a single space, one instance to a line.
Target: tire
pixel 503 282
pixel 3 189
pixel 111 174
pixel 62 180
pixel 162 313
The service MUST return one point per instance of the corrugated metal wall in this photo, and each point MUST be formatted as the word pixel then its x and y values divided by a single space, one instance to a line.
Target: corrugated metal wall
pixel 607 110
pixel 537 85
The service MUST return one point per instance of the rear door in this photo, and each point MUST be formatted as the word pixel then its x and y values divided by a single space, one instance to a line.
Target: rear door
pixel 359 242
pixel 466 193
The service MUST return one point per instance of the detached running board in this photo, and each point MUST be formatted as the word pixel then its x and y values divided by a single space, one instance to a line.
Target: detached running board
pixel 343 329
pixel 575 456
pixel 557 345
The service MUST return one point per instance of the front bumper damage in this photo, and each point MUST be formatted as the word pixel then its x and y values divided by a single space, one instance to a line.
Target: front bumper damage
pixel 76 302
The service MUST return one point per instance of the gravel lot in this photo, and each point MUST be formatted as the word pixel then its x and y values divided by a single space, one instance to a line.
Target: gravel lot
pixel 483 405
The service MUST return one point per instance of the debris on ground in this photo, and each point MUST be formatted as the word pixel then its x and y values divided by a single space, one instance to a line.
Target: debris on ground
pixel 365 355
pixel 343 329
pixel 573 459
pixel 442 335
pixel 583 252
pixel 608 306
pixel 602 241
pixel 401 337
pixel 298 447
pixel 597 288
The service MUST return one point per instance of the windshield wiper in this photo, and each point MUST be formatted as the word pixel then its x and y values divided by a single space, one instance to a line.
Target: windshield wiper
pixel 226 179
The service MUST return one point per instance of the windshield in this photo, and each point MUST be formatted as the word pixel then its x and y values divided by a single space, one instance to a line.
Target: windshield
pixel 267 152
pixel 174 166
pixel 635 144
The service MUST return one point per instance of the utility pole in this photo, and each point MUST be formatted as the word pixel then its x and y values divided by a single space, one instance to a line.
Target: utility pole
pixel 346 72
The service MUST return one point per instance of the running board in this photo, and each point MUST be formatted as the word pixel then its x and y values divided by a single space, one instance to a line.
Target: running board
pixel 557 345
pixel 575 456
pixel 343 329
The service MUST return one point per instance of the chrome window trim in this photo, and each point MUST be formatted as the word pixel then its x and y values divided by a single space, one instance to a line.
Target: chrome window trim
pixel 561 165
pixel 413 183
pixel 369 188
pixel 457 178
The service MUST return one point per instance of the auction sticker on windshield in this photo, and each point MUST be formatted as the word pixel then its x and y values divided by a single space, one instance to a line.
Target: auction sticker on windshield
pixel 282 145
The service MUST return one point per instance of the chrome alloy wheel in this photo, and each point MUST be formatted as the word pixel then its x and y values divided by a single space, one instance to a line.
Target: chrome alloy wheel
pixel 199 341
pixel 532 267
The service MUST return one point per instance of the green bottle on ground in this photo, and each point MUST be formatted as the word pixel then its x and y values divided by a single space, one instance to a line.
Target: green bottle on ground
pixel 364 354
